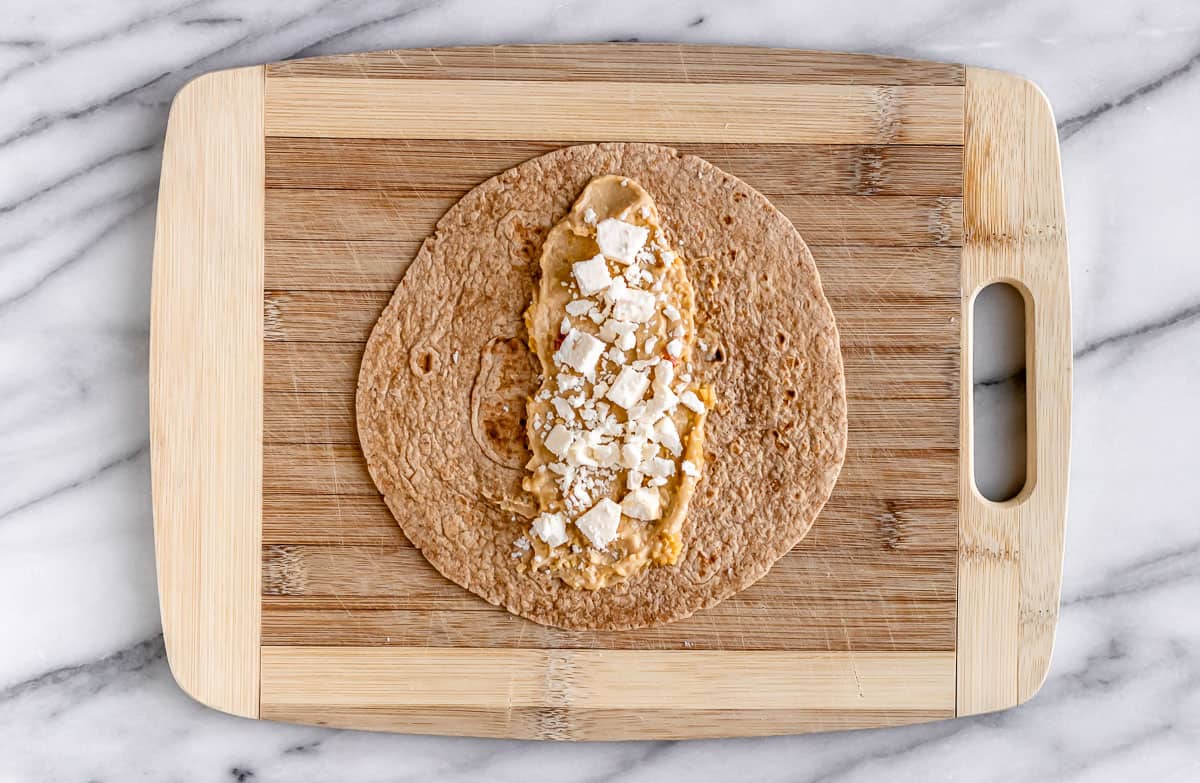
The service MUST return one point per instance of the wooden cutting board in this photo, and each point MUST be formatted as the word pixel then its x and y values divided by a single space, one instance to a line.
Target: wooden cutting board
pixel 294 195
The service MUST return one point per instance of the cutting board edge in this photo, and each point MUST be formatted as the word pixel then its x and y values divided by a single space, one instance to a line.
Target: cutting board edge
pixel 1011 552
pixel 181 630
pixel 206 388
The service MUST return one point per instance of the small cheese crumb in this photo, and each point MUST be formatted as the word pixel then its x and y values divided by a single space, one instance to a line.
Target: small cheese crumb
pixel 675 348
pixel 671 312
pixel 668 435
pixel 633 480
pixel 563 409
pixel 589 216
pixel 642 503
pixel 692 402
pixel 578 307
pixel 690 469
pixel 651 341
pixel 659 467
pixel 591 275
pixel 565 326
pixel 600 523
pixel 559 441
pixel 630 304
pixel 551 528
pixel 657 481
pixel 615 354
pixel 580 351
pixel 629 387
pixel 619 240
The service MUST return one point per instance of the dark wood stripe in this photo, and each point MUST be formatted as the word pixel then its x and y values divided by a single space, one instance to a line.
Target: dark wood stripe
pixel 896 524
pixel 455 165
pixel 626 62
pixel 339 469
pixel 898 372
pixel 378 265
pixel 339 316
pixel 409 215
pixel 328 417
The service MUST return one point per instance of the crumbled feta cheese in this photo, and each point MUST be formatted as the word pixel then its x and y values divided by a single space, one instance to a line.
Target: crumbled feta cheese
pixel 619 240
pixel 580 351
pixel 591 275
pixel 579 454
pixel 644 211
pixel 668 435
pixel 690 469
pixel 606 455
pixel 629 387
pixel 633 480
pixel 659 467
pixel 563 409
pixel 551 528
pixel 692 402
pixel 559 441
pixel 578 307
pixel 567 382
pixel 675 348
pixel 631 454
pixel 663 402
pixel 664 373
pixel 671 312
pixel 595 315
pixel 651 341
pixel 642 503
pixel 565 326
pixel 677 331
pixel 600 523
pixel 589 216
pixel 626 342
pixel 630 304
pixel 615 354
pixel 657 481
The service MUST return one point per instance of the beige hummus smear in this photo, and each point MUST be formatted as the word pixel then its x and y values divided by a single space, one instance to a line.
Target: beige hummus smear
pixel 616 427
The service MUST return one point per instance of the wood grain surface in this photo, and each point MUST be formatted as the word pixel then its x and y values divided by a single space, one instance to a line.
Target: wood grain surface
pixel 1010 559
pixel 206 388
pixel 911 599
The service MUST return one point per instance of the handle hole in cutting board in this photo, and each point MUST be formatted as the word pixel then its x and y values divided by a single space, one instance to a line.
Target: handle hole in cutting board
pixel 1000 400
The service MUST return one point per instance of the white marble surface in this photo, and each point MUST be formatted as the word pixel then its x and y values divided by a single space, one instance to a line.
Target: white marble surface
pixel 84 689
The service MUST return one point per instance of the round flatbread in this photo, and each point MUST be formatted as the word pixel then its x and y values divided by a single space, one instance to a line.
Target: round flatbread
pixel 447 372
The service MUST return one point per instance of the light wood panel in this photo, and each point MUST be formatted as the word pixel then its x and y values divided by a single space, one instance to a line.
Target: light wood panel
pixel 1010 565
pixel 563 686
pixel 755 112
pixel 626 63
pixel 206 387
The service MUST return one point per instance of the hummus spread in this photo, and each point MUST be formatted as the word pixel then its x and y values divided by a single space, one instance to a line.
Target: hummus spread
pixel 616 427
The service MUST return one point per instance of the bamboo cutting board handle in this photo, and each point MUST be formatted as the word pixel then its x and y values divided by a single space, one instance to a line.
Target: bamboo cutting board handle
pixel 1010 554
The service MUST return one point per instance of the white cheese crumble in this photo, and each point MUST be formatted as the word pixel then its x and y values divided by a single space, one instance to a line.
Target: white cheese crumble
pixel 619 240
pixel 600 523
pixel 580 351
pixel 551 528
pixel 591 275
pixel 629 387
pixel 643 503
pixel 559 441
pixel 630 304
pixel 675 348
pixel 589 216
pixel 578 307
pixel 668 435
pixel 690 469
pixel 692 402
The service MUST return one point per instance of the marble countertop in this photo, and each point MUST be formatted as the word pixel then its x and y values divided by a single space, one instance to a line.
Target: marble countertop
pixel 85 693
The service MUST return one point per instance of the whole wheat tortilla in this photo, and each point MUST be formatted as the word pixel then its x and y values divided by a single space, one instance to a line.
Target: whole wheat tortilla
pixel 446 373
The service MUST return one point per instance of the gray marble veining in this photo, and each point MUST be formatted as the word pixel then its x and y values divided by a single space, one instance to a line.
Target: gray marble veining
pixel 85 693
